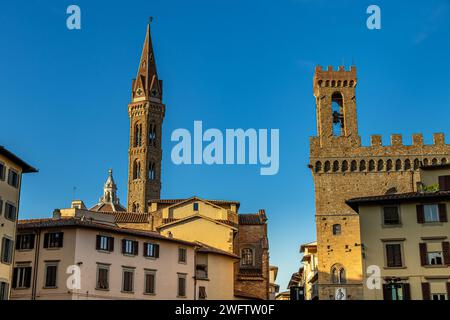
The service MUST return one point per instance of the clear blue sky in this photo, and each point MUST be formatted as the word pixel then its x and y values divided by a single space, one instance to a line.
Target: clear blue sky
pixel 231 64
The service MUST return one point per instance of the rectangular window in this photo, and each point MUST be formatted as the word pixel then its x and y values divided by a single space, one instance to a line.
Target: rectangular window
pixel 394 255
pixel 51 271
pixel 4 289
pixel 2 171
pixel 202 293
pixel 151 250
pixel 195 206
pixel 13 178
pixel 391 215
pixel 431 212
pixel 182 255
pixel 102 277
pixel 105 243
pixel 128 280
pixel 150 277
pixel 10 211
pixel 7 250
pixel 435 258
pixel 130 247
pixel 53 240
pixel 201 271
pixel 1 206
pixel 21 277
pixel 181 285
pixel 439 296
pixel 25 241
pixel 444 183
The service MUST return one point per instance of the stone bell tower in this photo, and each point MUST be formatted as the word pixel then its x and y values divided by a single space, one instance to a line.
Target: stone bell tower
pixel 343 169
pixel 146 112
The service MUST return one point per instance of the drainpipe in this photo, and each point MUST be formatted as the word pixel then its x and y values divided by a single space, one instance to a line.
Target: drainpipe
pixel 37 243
pixel 195 273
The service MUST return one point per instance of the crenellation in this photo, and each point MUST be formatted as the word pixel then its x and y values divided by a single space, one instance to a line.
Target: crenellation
pixel 439 139
pixel 375 140
pixel 396 140
pixel 417 139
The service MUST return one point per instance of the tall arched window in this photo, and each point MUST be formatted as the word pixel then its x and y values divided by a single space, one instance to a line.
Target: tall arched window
pixel 416 164
pixel 398 165
pixel 152 135
pixel 338 275
pixel 138 135
pixel 152 171
pixel 247 257
pixel 136 170
pixel 327 166
pixel 337 105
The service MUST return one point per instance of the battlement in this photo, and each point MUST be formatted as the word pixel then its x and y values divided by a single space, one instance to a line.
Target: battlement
pixel 397 140
pixel 335 78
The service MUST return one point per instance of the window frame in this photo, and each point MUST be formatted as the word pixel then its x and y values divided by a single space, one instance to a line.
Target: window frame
pixel 182 255
pixel 336 229
pixel 8 207
pixel 102 266
pixel 386 259
pixel 20 280
pixel 383 216
pixel 4 289
pixel 51 243
pixel 252 256
pixel 440 253
pixel 47 266
pixel 155 251
pixel 182 293
pixel 153 274
pixel 9 250
pixel 2 171
pixel 31 242
pixel 434 205
pixel 11 174
pixel 132 272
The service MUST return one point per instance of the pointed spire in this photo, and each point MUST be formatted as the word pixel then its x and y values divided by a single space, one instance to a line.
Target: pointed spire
pixel 110 190
pixel 147 85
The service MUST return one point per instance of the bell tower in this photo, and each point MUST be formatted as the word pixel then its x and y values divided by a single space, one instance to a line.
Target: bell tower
pixel 146 112
pixel 334 91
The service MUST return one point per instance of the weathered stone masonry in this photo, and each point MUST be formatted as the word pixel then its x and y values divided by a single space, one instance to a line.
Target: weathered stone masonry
pixel 342 169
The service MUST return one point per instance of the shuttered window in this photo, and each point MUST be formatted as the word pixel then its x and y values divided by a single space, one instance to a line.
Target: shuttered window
pixel 394 255
pixel 13 178
pixel 7 250
pixel 151 250
pixel 128 280
pixel 150 277
pixel 103 277
pixel 105 243
pixel 181 285
pixel 444 183
pixel 10 211
pixel 4 289
pixel 202 293
pixel 130 247
pixel 21 277
pixel 426 292
pixel 51 272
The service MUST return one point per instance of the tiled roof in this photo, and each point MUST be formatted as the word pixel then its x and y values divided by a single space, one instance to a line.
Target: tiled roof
pixel 250 219
pixel 26 168
pixel 208 249
pixel 127 217
pixel 173 201
pixel 107 207
pixel 78 222
pixel 399 197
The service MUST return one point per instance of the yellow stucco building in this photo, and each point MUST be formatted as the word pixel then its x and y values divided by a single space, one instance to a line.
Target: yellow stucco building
pixel 405 239
pixel 11 170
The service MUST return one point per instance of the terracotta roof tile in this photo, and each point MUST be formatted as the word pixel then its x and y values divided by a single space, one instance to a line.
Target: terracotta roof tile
pixel 77 222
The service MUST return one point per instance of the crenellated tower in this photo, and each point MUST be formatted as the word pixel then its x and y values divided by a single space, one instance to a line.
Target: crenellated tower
pixel 146 112
pixel 343 169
